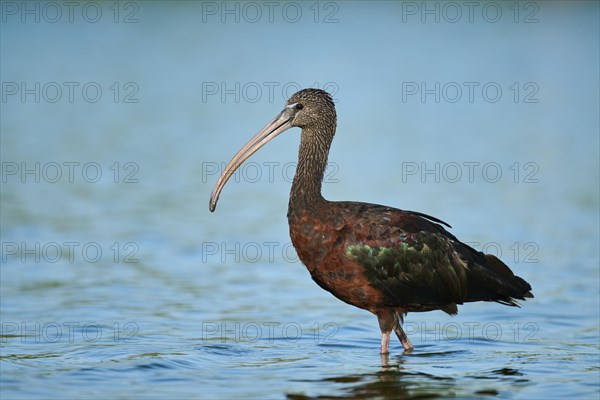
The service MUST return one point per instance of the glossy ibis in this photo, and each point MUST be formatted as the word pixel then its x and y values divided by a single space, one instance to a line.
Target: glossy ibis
pixel 381 259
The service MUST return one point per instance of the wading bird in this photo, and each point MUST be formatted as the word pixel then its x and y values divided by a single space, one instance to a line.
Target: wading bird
pixel 381 259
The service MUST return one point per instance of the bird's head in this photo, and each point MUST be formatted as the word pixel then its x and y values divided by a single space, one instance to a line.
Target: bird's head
pixel 308 108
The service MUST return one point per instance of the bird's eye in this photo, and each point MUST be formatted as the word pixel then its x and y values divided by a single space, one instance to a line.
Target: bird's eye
pixel 299 106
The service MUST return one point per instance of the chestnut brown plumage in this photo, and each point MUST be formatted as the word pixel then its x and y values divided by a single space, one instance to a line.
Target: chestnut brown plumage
pixel 381 259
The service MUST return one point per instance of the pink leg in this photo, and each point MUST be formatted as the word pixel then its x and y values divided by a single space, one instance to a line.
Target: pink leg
pixel 408 347
pixel 385 342
pixel 391 319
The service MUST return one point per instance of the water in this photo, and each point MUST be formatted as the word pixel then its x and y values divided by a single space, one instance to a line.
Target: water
pixel 124 285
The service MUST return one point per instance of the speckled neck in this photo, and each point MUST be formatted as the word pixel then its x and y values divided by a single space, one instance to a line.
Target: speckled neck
pixel 312 162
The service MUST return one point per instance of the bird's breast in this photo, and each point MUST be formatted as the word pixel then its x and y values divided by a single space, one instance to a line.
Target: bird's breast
pixel 321 246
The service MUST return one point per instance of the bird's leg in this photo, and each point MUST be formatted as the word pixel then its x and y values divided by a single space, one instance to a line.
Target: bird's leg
pixel 387 322
pixel 408 347
pixel 385 342
pixel 391 319
pixel 398 320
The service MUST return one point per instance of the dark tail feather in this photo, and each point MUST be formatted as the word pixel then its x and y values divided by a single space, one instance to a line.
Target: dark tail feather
pixel 494 281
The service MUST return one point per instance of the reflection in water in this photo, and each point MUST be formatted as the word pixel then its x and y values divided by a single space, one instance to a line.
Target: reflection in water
pixel 410 376
pixel 392 381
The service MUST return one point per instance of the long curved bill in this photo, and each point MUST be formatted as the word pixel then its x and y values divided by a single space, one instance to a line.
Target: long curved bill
pixel 279 124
